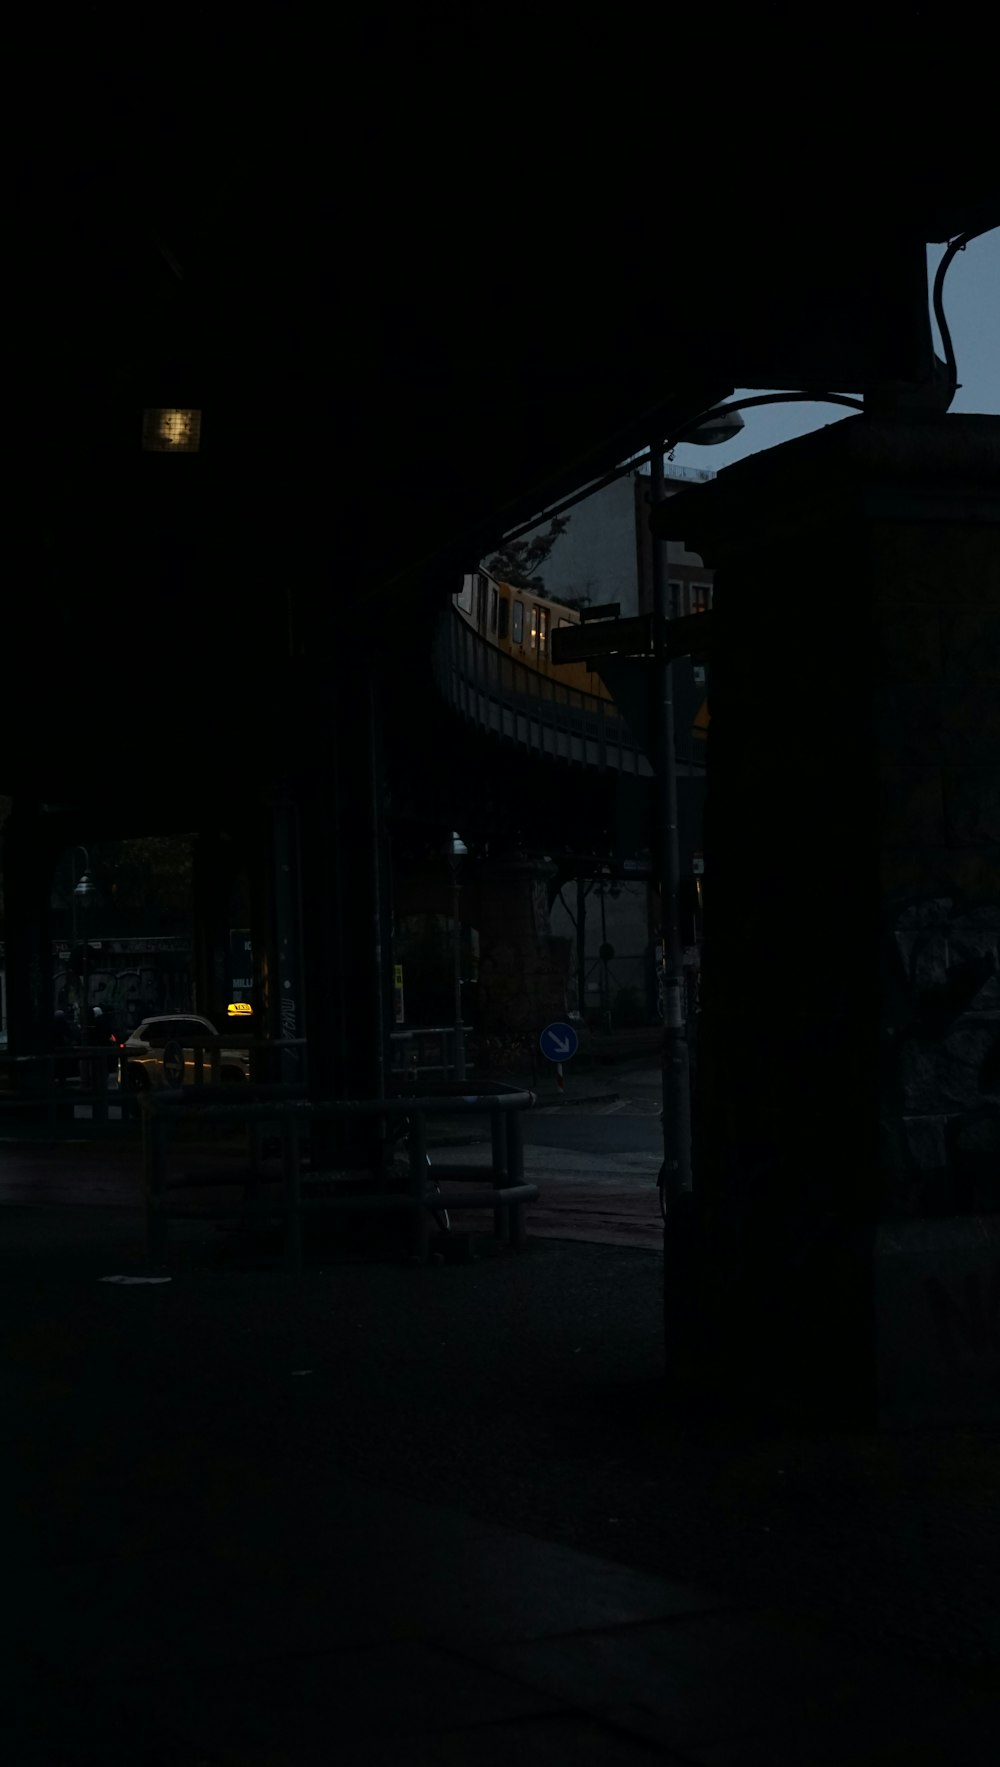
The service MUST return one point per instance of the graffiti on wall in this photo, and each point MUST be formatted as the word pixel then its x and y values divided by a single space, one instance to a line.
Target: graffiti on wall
pixel 941 1054
pixel 967 1329
pixel 126 996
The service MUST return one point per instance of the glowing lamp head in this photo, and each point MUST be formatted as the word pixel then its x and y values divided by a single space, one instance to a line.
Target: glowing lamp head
pixel 171 430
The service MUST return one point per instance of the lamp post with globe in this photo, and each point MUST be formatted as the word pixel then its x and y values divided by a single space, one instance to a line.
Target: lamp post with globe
pixel 82 894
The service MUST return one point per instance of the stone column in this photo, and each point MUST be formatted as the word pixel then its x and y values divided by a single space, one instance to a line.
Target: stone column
pixel 346 952
pixel 845 1241
pixel 523 970
pixel 215 862
pixel 29 853
pixel 276 919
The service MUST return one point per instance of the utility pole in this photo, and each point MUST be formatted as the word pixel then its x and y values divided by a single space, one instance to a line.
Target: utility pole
pixel 457 848
pixel 675 1055
pixel 581 946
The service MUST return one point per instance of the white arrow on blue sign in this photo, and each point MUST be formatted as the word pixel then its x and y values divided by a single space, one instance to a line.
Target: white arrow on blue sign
pixel 558 1042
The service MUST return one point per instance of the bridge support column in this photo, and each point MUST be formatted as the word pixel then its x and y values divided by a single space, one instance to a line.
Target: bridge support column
pixel 276 922
pixel 842 1251
pixel 29 854
pixel 523 970
pixel 345 897
pixel 216 861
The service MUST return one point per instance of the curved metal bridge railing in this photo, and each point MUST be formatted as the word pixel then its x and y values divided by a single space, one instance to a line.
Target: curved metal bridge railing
pixel 518 705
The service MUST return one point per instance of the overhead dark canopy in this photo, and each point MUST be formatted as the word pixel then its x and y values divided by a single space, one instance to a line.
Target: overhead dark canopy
pixel 415 292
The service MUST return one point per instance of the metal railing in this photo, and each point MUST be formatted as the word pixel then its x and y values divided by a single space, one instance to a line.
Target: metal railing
pixel 69 1086
pixel 79 1085
pixel 500 1186
pixel 273 1060
pixel 411 1048
pixel 522 706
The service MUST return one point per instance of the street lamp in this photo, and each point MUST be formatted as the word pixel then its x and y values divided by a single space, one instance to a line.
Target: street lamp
pixel 457 850
pixel 83 890
pixel 84 873
pixel 713 429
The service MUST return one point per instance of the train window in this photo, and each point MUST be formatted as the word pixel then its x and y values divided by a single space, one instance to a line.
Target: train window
pixel 481 607
pixel 543 628
pixel 494 605
pixel 533 626
pixel 464 598
pixel 517 634
pixel 503 621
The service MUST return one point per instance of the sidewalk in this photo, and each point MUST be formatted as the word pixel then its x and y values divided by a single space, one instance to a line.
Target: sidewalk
pixel 582 1085
pixel 378 1514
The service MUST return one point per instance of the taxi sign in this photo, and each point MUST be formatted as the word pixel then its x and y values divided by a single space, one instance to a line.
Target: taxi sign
pixel 239 1009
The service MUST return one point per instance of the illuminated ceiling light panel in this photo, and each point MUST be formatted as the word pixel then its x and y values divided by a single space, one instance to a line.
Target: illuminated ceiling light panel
pixel 171 431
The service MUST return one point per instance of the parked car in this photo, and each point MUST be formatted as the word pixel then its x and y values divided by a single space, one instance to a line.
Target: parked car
pixel 173 1035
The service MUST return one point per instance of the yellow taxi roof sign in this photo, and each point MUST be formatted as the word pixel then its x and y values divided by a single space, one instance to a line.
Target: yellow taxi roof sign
pixel 239 1009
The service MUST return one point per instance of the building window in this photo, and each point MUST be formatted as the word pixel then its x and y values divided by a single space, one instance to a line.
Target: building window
pixel 677 601
pixel 701 598
pixel 518 632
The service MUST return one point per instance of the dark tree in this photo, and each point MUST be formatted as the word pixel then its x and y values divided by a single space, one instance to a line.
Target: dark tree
pixel 520 562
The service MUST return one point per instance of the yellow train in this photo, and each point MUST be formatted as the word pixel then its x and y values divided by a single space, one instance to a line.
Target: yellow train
pixel 521 623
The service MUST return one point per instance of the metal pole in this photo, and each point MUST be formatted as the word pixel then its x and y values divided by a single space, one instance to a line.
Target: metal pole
pixel 83 1003
pixel 605 992
pixel 581 946
pixel 456 950
pixel 675 1058
pixel 378 904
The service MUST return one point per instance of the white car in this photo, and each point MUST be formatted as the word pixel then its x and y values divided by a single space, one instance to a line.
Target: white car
pixel 161 1052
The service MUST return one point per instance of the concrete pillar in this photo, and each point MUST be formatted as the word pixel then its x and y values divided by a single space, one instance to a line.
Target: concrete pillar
pixel 523 970
pixel 29 853
pixel 345 896
pixel 844 1249
pixel 276 931
pixel 216 860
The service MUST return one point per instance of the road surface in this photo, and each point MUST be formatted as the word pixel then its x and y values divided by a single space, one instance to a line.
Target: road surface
pixel 595 1165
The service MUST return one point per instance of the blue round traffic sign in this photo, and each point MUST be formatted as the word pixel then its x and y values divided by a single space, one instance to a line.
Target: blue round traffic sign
pixel 558 1042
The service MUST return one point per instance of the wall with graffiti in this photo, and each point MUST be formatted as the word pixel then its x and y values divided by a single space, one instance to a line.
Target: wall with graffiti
pixel 127 985
pixel 941 1059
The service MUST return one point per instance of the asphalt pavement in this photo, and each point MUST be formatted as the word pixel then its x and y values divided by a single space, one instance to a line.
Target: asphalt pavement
pixel 379 1513
pixel 383 1513
pixel 594 1149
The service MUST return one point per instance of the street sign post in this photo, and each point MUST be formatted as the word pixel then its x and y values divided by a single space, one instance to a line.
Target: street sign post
pixel 576 644
pixel 559 1043
pixel 690 635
